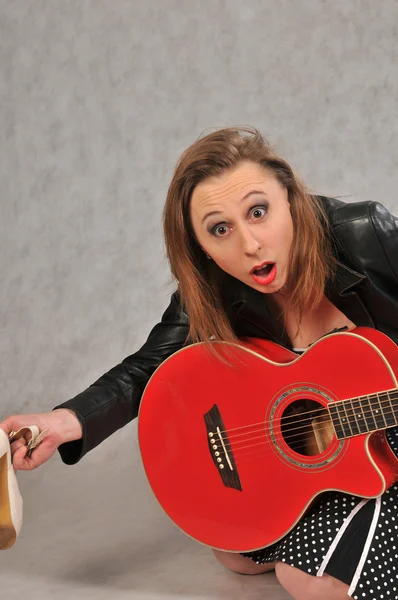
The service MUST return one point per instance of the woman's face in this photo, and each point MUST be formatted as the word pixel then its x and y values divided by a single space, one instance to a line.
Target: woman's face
pixel 242 220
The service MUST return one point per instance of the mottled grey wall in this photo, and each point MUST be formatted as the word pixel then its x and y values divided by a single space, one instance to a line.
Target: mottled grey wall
pixel 98 99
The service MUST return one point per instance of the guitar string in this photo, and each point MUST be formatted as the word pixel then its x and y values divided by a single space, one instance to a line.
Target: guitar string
pixel 308 427
pixel 346 430
pixel 265 446
pixel 364 415
pixel 336 403
pixel 264 450
pixel 302 437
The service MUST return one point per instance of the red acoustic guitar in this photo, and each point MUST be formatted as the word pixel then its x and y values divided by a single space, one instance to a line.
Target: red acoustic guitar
pixel 237 450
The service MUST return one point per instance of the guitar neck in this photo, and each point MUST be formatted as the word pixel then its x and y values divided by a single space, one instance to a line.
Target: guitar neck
pixel 365 414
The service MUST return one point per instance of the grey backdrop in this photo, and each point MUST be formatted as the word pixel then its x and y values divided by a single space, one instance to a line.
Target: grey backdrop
pixel 98 99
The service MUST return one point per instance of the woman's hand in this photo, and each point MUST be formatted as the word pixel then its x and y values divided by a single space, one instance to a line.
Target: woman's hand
pixel 63 426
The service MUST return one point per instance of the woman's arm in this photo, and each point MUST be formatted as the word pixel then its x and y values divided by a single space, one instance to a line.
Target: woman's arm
pixel 385 227
pixel 113 400
pixel 367 235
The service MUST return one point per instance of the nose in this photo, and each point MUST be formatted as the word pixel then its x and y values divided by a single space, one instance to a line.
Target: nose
pixel 249 243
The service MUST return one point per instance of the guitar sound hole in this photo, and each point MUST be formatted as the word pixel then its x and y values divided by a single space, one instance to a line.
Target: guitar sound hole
pixel 306 427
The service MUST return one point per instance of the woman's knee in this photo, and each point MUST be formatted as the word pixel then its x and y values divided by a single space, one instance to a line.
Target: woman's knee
pixel 303 586
pixel 241 564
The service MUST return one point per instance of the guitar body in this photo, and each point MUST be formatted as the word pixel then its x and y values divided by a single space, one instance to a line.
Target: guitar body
pixel 237 451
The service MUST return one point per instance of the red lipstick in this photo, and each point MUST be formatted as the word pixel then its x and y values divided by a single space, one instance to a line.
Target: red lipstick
pixel 267 276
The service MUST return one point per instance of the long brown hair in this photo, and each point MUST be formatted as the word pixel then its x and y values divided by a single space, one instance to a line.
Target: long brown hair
pixel 200 280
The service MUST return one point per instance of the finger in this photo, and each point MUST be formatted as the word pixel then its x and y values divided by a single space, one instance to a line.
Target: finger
pixel 12 424
pixel 6 427
pixel 18 444
pixel 21 461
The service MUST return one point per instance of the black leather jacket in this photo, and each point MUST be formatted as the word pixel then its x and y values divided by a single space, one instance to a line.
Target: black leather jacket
pixel 365 289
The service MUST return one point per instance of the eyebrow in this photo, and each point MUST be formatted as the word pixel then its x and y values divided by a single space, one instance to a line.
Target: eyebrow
pixel 218 212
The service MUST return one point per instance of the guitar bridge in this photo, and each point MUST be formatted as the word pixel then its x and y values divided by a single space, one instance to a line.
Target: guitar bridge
pixel 220 449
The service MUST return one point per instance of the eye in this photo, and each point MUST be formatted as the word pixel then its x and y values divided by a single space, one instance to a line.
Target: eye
pixel 258 212
pixel 219 230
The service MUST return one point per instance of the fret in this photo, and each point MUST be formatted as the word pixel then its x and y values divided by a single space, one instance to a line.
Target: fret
pixel 393 398
pixel 359 415
pixel 344 419
pixel 388 410
pixel 349 408
pixel 338 427
pixel 364 414
pixel 377 411
pixel 368 413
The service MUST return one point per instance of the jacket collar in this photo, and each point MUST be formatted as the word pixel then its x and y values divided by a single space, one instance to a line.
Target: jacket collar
pixel 245 303
pixel 344 280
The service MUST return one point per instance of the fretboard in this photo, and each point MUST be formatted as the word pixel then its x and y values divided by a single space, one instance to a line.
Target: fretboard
pixel 365 413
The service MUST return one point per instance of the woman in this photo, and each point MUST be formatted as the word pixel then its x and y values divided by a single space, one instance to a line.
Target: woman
pixel 255 254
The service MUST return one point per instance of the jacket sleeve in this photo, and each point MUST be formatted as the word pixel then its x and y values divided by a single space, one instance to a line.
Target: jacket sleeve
pixel 367 233
pixel 386 229
pixel 113 400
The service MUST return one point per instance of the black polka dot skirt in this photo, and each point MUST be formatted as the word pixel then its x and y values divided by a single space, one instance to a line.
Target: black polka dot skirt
pixel 352 539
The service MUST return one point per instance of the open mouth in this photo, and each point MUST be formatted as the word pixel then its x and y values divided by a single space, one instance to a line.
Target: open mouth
pixel 265 270
pixel 264 275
